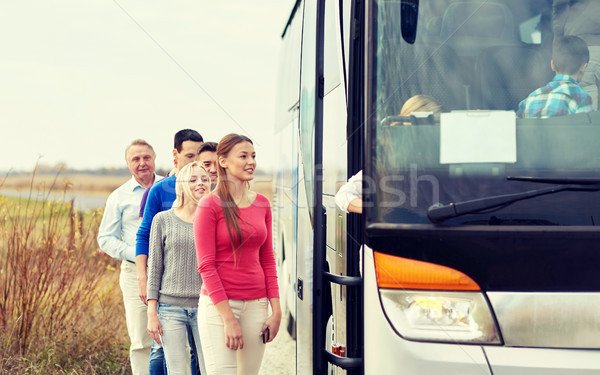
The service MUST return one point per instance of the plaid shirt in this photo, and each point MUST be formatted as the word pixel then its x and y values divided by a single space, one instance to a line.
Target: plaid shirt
pixel 562 96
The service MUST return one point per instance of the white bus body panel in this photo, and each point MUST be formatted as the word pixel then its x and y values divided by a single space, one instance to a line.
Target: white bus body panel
pixel 531 361
pixel 304 272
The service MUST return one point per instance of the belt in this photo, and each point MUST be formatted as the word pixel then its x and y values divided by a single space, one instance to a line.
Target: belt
pixel 129 261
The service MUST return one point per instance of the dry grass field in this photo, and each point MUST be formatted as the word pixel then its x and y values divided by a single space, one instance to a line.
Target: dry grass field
pixel 61 308
pixel 60 305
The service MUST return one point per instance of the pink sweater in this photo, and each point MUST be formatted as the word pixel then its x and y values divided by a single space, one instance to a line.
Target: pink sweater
pixel 255 275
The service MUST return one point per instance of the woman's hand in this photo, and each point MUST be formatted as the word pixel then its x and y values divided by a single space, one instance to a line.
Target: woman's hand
pixel 231 328
pixel 142 276
pixel 154 327
pixel 272 321
pixel 233 334
pixel 142 288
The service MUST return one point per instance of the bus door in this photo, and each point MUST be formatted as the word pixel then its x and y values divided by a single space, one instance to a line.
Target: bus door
pixel 337 310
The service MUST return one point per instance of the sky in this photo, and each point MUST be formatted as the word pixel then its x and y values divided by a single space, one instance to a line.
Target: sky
pixel 80 79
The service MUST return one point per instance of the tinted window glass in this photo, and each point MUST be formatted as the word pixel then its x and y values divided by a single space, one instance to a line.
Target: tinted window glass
pixel 477 60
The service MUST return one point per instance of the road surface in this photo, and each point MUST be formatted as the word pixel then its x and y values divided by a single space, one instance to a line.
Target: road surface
pixel 280 355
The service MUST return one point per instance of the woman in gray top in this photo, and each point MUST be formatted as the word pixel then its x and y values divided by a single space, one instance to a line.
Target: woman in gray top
pixel 173 279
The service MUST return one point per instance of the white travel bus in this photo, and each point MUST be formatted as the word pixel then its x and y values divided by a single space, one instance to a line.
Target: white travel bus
pixel 477 249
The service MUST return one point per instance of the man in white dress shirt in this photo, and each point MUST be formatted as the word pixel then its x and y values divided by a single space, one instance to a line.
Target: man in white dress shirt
pixel 116 237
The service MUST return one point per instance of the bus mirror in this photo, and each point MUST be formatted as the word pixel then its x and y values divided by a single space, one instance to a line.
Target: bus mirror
pixel 409 15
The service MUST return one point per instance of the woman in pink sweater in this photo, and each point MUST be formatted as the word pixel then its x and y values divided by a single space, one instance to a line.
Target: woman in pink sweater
pixel 232 229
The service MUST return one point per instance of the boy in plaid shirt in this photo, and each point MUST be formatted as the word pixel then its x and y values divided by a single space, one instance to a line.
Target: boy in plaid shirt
pixel 563 95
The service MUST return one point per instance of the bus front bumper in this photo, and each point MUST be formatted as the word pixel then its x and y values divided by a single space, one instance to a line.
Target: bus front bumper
pixel 386 352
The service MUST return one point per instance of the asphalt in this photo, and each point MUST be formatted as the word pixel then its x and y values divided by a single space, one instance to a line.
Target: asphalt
pixel 280 354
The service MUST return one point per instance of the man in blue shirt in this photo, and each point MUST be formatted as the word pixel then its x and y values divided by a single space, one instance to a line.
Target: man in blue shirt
pixel 563 95
pixel 160 198
pixel 116 237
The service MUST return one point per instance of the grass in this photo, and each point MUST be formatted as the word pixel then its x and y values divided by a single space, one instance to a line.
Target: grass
pixel 60 305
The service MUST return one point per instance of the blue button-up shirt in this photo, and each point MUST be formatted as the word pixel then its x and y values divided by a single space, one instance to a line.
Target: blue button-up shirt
pixel 562 96
pixel 116 236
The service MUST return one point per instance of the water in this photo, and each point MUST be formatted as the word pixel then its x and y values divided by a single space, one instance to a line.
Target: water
pixel 81 202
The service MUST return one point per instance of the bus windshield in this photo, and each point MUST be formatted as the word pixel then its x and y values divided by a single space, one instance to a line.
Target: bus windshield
pixel 449 144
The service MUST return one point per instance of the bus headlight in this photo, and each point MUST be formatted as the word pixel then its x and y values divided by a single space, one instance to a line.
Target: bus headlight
pixel 458 317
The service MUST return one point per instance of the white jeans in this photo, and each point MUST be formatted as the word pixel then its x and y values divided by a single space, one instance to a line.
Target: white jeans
pixel 218 358
pixel 137 320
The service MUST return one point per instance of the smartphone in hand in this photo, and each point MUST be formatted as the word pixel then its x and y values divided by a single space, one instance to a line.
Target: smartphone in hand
pixel 265 335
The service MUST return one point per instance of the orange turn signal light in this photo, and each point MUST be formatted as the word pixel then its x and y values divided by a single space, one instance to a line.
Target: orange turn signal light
pixel 401 273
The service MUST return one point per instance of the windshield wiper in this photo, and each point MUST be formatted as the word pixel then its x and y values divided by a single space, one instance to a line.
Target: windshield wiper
pixel 440 212
pixel 557 180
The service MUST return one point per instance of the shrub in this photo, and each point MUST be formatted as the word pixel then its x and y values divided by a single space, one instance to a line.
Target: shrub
pixel 60 307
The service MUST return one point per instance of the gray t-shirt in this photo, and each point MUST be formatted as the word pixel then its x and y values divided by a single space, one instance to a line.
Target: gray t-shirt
pixel 173 276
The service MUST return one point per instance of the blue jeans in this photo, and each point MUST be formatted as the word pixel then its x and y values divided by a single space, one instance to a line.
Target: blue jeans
pixel 176 323
pixel 158 365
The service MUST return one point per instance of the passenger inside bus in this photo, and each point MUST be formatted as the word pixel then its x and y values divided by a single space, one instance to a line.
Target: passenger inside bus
pixel 563 95
pixel 349 196
pixel 580 18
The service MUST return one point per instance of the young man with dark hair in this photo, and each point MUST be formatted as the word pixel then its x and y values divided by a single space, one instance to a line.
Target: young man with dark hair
pixel 185 147
pixel 207 156
pixel 160 198
pixel 563 95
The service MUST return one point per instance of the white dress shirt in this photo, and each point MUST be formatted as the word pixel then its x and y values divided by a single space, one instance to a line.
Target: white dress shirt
pixel 349 191
pixel 118 229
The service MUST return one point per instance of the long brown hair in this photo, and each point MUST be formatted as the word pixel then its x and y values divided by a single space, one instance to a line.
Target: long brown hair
pixel 230 211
